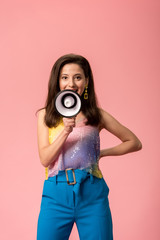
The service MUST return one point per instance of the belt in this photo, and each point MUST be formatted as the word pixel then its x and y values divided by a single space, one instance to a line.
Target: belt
pixel 73 177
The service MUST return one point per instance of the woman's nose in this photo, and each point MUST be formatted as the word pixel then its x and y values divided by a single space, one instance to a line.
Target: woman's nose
pixel 71 83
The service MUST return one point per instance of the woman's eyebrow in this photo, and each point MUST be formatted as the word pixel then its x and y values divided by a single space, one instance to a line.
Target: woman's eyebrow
pixel 68 74
pixel 77 74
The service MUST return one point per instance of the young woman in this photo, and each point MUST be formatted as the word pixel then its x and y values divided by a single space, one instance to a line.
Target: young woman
pixel 69 149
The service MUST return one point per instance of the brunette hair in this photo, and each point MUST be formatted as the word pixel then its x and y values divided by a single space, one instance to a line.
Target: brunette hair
pixel 89 106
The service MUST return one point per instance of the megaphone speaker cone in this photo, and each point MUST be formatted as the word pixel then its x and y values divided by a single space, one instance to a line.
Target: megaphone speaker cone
pixel 69 100
pixel 68 103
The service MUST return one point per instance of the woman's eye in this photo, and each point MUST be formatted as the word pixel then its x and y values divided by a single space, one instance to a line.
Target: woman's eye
pixel 78 77
pixel 64 77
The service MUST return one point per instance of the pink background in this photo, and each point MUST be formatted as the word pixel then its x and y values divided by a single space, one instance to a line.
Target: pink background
pixel 121 41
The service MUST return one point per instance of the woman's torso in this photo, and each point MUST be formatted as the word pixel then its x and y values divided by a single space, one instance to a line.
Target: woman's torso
pixel 80 151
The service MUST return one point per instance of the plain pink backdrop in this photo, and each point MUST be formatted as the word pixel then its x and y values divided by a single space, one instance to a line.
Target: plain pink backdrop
pixel 121 41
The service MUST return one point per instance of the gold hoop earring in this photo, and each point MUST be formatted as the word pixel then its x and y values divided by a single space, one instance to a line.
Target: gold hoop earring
pixel 86 93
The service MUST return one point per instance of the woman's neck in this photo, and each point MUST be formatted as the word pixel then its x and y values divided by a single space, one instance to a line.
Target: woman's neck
pixel 80 117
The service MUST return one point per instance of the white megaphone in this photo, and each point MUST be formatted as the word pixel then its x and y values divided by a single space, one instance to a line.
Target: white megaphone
pixel 68 103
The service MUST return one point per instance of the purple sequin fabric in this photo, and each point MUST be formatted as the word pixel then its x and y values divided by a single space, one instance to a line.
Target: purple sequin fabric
pixel 80 151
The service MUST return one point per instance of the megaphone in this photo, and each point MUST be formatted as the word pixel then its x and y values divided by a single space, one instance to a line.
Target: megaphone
pixel 68 103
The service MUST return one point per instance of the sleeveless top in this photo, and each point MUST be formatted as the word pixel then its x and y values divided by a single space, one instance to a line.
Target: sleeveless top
pixel 80 151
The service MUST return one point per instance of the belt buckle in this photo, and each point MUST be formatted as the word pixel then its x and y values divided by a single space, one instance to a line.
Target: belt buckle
pixel 70 183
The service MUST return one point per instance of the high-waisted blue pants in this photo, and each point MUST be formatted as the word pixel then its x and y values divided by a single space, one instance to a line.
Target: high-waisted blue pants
pixel 85 203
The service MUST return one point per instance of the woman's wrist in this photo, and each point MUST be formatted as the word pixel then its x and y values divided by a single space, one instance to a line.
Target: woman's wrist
pixel 121 149
pixel 101 153
pixel 66 132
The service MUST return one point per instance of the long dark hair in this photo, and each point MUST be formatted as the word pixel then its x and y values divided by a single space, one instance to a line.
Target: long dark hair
pixel 89 106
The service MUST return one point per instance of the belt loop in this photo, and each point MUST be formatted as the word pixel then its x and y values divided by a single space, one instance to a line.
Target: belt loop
pixel 55 179
pixel 91 178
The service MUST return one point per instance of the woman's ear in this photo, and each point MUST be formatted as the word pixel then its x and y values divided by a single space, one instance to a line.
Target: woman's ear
pixel 87 81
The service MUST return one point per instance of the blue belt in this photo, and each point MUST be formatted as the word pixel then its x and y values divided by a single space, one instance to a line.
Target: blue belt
pixel 73 177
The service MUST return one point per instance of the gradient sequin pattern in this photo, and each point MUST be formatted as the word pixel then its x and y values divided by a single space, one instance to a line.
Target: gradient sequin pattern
pixel 80 151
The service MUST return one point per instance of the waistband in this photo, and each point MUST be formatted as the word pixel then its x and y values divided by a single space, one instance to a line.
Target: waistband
pixel 73 177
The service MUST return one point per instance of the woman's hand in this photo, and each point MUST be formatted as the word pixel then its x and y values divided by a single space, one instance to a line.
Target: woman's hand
pixel 48 152
pixel 69 123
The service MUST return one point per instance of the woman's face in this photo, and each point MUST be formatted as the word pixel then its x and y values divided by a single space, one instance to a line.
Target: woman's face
pixel 72 77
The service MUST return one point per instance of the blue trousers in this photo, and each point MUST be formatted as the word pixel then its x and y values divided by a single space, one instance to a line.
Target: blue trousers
pixel 85 203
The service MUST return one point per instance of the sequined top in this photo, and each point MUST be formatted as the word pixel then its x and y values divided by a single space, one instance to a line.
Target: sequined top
pixel 80 151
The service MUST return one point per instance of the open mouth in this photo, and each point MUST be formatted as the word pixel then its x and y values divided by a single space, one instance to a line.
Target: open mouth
pixel 75 90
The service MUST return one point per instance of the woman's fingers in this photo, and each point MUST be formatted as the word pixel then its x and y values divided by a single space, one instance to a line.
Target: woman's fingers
pixel 69 123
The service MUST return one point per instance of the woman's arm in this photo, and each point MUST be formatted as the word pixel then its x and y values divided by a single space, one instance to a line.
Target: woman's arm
pixel 49 152
pixel 130 143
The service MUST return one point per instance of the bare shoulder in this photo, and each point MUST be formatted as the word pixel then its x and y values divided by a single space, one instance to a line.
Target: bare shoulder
pixel 40 121
pixel 106 119
pixel 109 122
pixel 41 113
pixel 42 129
pixel 115 127
pixel 41 116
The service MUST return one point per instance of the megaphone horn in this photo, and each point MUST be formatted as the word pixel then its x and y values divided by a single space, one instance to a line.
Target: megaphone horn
pixel 68 103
